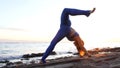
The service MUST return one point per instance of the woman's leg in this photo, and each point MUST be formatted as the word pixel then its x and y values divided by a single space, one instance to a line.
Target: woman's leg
pixel 59 36
pixel 73 12
pixel 69 11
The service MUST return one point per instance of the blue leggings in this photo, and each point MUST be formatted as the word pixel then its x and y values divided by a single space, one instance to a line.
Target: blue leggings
pixel 64 28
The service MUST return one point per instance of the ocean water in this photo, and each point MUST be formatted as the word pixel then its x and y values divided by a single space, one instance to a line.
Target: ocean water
pixel 15 50
pixel 11 51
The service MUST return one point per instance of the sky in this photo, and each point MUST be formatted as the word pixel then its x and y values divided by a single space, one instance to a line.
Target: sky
pixel 39 20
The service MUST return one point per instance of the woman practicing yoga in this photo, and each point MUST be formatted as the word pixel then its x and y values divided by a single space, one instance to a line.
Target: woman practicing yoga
pixel 67 31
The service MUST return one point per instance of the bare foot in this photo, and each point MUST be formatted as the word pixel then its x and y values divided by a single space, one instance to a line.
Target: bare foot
pixel 42 62
pixel 93 10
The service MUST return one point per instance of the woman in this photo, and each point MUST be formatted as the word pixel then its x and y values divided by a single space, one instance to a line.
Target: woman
pixel 66 31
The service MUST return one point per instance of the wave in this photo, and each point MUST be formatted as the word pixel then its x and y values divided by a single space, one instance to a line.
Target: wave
pixel 4 59
pixel 7 58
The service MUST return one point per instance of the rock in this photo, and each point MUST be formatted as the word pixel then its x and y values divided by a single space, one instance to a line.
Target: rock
pixel 4 61
pixel 36 55
pixel 115 66
pixel 87 66
pixel 69 52
pixel 32 62
pixel 75 53
pixel 9 63
pixel 101 58
pixel 53 53
pixel 19 62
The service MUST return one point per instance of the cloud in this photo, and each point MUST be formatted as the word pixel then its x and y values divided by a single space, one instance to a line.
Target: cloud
pixel 12 29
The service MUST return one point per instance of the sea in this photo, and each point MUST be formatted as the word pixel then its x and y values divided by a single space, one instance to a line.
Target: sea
pixel 13 51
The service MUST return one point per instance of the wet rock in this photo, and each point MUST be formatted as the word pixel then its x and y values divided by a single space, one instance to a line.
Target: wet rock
pixel 19 62
pixel 4 61
pixel 110 58
pixel 24 59
pixel 69 52
pixel 115 66
pixel 36 55
pixel 101 58
pixel 117 49
pixel 9 63
pixel 75 53
pixel 32 62
pixel 87 66
pixel 53 53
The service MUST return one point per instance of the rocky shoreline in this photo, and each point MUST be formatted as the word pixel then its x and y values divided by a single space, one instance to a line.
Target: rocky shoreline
pixel 101 58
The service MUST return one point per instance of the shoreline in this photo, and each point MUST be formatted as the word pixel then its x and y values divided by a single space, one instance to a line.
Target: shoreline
pixel 101 58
